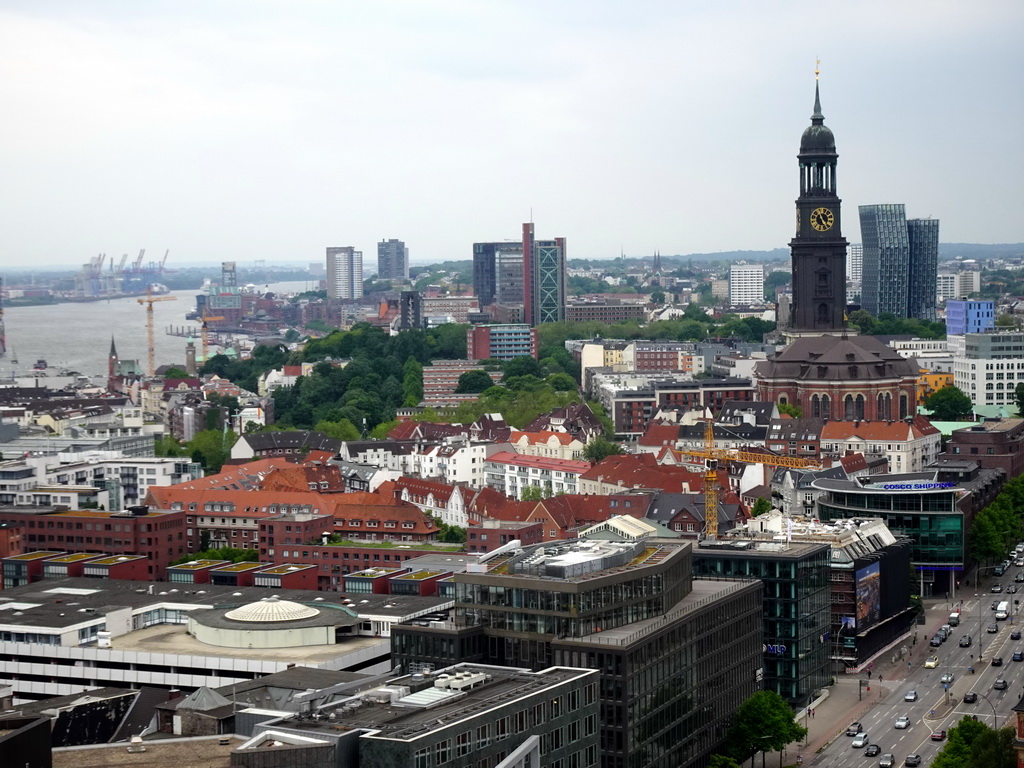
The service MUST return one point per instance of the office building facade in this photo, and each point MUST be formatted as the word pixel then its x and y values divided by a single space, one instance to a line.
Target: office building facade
pixel 543 278
pixel 344 273
pixel 796 612
pixel 989 367
pixel 969 317
pixel 901 257
pixel 498 273
pixel 392 260
pixel 746 284
pixel 676 656
pixel 501 342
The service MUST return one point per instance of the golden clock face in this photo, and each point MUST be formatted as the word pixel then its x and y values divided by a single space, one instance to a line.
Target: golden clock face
pixel 822 219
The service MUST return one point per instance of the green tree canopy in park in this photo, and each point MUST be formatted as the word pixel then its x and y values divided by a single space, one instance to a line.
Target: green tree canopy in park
pixel 949 404
pixel 473 383
pixel 763 723
pixel 601 447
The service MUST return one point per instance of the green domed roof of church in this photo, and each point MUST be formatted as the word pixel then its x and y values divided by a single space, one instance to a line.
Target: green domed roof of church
pixel 817 138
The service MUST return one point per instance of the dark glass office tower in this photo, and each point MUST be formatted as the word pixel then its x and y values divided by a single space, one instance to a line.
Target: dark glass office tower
pixel 923 237
pixel 901 261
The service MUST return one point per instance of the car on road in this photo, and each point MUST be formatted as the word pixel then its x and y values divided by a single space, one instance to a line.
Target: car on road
pixel 1000 685
pixel 887 761
pixel 872 750
pixel 948 677
pixel 997 661
pixel 938 735
pixel 965 641
pixel 931 662
pixel 1015 635
pixel 936 641
pixel 854 729
pixel 992 629
pixel 1018 655
pixel 860 740
pixel 910 696
pixel 970 697
pixel 912 761
pixel 1012 589
pixel 997 587
pixel 902 723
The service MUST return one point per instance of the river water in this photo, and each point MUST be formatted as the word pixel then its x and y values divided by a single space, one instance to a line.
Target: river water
pixel 76 337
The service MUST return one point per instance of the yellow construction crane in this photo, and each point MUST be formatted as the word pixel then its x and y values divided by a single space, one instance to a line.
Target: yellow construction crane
pixel 149 301
pixel 712 455
pixel 206 332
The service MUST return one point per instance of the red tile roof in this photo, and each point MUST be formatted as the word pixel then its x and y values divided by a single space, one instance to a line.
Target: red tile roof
pixel 892 431
pixel 541 462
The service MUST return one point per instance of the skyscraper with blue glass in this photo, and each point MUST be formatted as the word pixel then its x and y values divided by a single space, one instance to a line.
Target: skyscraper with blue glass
pixel 900 262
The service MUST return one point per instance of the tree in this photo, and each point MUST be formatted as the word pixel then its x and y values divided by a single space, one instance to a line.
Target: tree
pixel 763 723
pixel 166 445
pixel 342 429
pixel 473 383
pixel 949 404
pixel 790 410
pixel 176 373
pixel 601 447
pixel 761 506
pixel 1018 399
pixel 657 297
pixel 721 761
pixel 532 493
pixel 522 366
pixel 561 382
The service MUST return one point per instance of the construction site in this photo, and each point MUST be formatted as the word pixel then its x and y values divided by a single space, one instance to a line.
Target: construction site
pixel 99 279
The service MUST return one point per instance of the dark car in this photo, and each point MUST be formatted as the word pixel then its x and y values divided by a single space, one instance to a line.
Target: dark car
pixel 872 750
pixel 970 697
pixel 997 661
pixel 992 629
pixel 1012 589
pixel 965 641
pixel 912 761
pixel 938 735
pixel 1018 655
pixel 854 729
pixel 936 641
pixel 1000 685
pixel 1015 635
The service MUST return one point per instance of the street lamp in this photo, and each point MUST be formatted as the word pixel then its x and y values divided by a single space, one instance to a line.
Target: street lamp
pixel 995 716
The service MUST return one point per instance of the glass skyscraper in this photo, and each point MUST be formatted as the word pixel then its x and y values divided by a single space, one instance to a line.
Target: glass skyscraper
pixel 900 262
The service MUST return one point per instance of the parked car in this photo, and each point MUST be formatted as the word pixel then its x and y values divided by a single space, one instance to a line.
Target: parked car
pixel 970 697
pixel 854 729
pixel 1000 685
pixel 910 696
pixel 931 662
pixel 948 677
pixel 860 740
pixel 912 760
pixel 902 723
pixel 887 761
pixel 872 750
pixel 997 661
pixel 936 641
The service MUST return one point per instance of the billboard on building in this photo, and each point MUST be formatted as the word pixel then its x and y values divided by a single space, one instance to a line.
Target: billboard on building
pixel 869 596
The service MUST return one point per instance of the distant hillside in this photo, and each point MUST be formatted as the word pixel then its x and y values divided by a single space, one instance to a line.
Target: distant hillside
pixel 979 251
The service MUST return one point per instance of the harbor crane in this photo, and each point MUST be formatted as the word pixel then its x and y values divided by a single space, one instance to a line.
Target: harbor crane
pixel 149 301
pixel 712 455
pixel 206 332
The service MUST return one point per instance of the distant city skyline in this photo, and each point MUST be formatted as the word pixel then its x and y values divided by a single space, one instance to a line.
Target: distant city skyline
pixel 249 133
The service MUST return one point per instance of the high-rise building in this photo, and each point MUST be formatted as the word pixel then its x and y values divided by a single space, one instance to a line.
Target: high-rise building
pixel 509 272
pixel 392 260
pixel 819 248
pixel 344 273
pixel 923 239
pixel 855 263
pixel 543 278
pixel 746 284
pixel 501 342
pixel 900 262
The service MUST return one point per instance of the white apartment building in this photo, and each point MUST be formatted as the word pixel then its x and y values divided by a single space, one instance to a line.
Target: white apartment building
pixel 511 473
pixel 344 273
pixel 958 285
pixel 746 284
pixel 987 367
pixel 934 355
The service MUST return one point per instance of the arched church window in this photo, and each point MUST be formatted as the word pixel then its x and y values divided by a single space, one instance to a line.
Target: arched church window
pixel 848 408
pixel 815 406
pixel 825 407
pixel 903 406
pixel 859 407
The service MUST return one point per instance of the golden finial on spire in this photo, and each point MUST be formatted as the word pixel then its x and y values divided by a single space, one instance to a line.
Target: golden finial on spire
pixel 817 68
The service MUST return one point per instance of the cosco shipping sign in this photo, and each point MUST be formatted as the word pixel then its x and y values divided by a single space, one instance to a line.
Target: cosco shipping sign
pixel 917 486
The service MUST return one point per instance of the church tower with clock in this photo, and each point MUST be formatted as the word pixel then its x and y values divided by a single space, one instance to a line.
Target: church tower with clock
pixel 819 248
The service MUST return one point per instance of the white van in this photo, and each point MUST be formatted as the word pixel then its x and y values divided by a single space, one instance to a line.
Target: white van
pixel 1003 610
pixel 954 619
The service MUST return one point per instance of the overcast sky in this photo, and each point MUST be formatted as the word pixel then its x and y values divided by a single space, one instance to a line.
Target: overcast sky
pixel 253 130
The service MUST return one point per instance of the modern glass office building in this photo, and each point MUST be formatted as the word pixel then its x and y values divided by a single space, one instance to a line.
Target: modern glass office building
pixel 797 606
pixel 677 657
pixel 900 262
